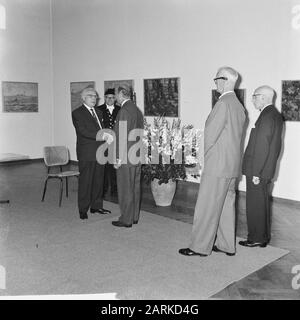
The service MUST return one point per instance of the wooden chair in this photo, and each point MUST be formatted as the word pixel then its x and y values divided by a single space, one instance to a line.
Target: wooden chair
pixel 57 156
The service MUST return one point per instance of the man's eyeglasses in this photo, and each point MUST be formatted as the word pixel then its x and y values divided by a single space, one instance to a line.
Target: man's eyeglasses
pixel 220 78
pixel 91 95
pixel 257 94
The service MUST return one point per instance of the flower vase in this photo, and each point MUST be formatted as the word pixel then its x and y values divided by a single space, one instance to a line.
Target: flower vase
pixel 163 194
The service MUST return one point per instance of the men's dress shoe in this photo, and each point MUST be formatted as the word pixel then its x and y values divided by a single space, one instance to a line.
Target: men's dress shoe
pixel 251 244
pixel 121 224
pixel 189 252
pixel 101 211
pixel 83 216
pixel 216 249
pixel 135 222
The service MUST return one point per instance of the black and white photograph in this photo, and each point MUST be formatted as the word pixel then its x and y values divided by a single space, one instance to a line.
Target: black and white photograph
pixel 19 96
pixel 161 97
pixel 114 84
pixel 149 154
pixel 290 100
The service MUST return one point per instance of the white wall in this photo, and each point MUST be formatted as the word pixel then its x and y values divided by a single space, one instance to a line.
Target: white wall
pixel 135 39
pixel 25 56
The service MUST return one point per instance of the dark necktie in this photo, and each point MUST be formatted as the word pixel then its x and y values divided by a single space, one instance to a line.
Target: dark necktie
pixel 94 116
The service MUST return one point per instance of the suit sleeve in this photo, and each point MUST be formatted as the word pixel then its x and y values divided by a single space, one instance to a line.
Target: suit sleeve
pixel 214 125
pixel 122 135
pixel 262 145
pixel 82 129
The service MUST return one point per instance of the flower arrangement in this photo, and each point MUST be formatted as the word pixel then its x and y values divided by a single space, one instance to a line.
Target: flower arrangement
pixel 169 149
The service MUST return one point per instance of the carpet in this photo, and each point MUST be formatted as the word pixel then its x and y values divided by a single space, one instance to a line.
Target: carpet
pixel 47 250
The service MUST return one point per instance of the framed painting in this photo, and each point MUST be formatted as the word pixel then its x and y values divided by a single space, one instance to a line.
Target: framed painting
pixel 76 89
pixel 20 96
pixel 240 94
pixel 161 97
pixel 290 100
pixel 114 84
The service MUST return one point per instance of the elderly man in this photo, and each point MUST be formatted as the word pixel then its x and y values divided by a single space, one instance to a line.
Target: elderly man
pixel 129 118
pixel 109 110
pixel 259 166
pixel 214 218
pixel 87 122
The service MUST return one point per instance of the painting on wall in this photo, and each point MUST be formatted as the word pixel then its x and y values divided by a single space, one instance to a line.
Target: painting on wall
pixel 76 89
pixel 290 100
pixel 240 94
pixel 20 96
pixel 161 97
pixel 114 84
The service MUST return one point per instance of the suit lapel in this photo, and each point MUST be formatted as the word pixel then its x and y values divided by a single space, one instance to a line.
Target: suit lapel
pixel 114 114
pixel 89 117
pixel 100 117
pixel 262 114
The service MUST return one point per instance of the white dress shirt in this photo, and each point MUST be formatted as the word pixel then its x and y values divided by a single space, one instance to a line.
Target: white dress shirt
pixel 223 94
pixel 124 102
pixel 110 108
pixel 90 110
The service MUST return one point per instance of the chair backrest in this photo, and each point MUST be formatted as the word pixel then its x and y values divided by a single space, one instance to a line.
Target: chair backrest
pixel 56 155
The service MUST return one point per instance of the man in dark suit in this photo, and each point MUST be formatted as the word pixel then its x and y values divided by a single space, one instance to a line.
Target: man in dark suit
pixel 259 166
pixel 87 122
pixel 109 111
pixel 128 165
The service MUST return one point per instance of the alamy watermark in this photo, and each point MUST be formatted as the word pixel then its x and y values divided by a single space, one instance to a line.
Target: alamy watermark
pixel 139 146
pixel 296 278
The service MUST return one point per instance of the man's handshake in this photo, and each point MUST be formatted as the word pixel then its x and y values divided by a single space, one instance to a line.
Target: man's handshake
pixel 108 137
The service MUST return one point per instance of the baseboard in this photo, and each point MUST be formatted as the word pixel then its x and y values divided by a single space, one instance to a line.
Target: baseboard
pixel 23 161
pixel 289 202
pixel 184 184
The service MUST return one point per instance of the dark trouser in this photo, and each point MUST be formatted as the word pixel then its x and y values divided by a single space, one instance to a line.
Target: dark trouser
pixel 258 211
pixel 90 189
pixel 129 193
pixel 110 178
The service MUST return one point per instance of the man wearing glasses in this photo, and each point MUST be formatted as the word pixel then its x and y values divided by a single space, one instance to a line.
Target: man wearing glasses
pixel 109 111
pixel 214 217
pixel 259 165
pixel 87 122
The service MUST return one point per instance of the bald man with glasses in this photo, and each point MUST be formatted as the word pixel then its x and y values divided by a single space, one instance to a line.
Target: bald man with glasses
pixel 87 121
pixel 214 217
pixel 259 165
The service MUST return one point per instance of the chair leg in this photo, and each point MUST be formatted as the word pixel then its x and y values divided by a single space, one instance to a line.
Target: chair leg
pixel 45 188
pixel 61 190
pixel 67 187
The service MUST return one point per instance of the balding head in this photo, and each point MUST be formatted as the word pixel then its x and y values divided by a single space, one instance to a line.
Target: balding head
pixel 263 96
pixel 226 79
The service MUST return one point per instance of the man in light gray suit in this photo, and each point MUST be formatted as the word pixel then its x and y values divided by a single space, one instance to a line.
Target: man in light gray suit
pixel 214 217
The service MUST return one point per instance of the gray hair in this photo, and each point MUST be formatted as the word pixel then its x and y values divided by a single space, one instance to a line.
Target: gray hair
pixel 85 91
pixel 230 73
pixel 125 91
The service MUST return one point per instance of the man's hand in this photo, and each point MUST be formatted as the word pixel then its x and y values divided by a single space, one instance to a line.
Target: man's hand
pixel 117 165
pixel 255 180
pixel 108 137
